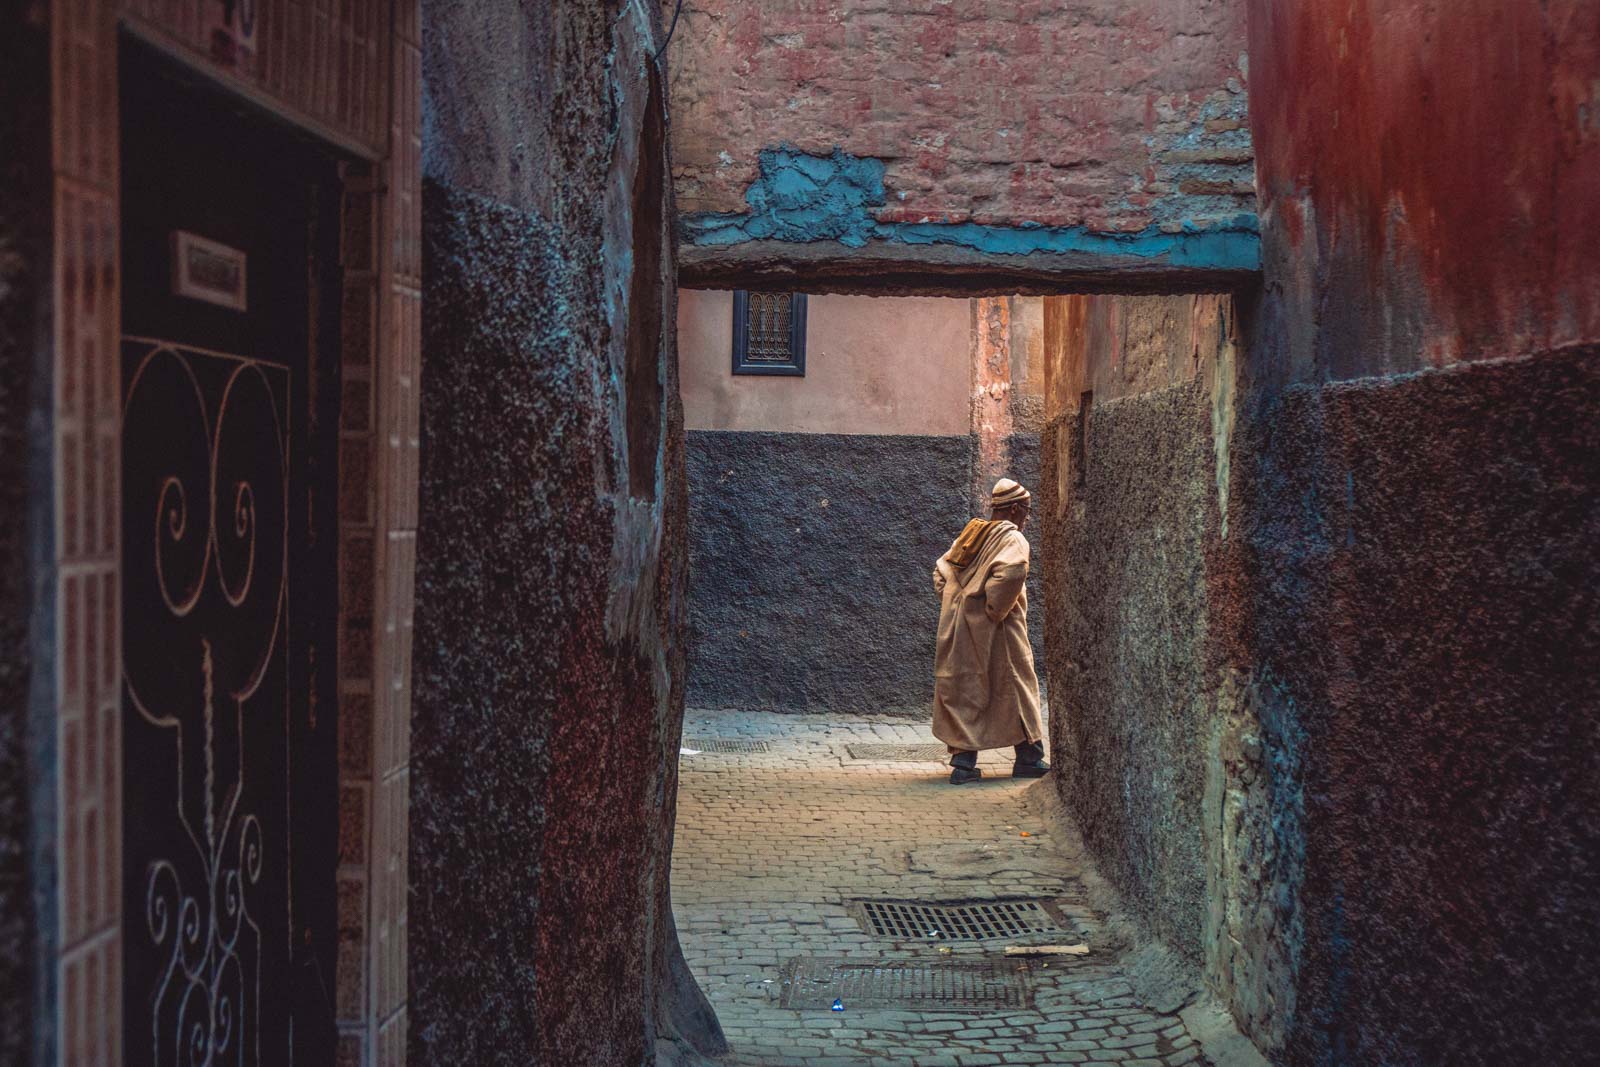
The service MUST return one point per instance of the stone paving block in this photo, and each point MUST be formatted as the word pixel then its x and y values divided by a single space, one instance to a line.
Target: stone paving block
pixel 1055 1026
pixel 1124 1041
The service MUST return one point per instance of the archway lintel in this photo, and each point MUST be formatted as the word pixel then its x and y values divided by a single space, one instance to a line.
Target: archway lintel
pixel 884 269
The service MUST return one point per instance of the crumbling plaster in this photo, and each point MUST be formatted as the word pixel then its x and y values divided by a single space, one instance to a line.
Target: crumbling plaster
pixel 1033 141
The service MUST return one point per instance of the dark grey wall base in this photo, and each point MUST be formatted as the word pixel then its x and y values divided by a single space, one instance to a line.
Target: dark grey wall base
pixel 811 560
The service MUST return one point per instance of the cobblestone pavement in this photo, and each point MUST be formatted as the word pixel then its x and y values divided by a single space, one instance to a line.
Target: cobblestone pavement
pixel 771 846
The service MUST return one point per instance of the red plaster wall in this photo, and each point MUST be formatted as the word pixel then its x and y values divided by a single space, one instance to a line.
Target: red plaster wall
pixel 1116 114
pixel 1430 176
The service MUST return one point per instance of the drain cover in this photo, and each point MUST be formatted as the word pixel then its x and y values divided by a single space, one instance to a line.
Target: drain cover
pixel 722 744
pixel 899 753
pixel 811 983
pixel 967 920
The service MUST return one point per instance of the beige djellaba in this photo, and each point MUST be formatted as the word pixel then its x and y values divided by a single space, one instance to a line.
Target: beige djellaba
pixel 985 690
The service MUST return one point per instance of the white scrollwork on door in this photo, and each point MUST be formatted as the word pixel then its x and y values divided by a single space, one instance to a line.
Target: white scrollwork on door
pixel 204 435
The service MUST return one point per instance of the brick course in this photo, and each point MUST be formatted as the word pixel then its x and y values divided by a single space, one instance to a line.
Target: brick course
pixel 1119 116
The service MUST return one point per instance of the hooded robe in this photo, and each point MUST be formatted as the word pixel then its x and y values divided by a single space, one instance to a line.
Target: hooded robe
pixel 985 690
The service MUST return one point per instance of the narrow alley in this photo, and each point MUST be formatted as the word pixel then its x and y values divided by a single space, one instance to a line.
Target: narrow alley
pixel 788 823
pixel 498 500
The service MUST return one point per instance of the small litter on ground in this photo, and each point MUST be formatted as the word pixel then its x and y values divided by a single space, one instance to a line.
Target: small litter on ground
pixel 1047 950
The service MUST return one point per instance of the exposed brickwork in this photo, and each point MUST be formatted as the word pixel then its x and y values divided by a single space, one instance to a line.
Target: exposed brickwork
pixel 1114 115
pixel 87 475
pixel 378 501
pixel 357 579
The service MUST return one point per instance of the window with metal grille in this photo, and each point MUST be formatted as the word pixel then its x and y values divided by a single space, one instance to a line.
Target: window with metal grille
pixel 769 333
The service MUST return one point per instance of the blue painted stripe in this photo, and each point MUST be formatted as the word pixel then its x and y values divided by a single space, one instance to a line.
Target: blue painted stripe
pixel 1233 246
pixel 803 198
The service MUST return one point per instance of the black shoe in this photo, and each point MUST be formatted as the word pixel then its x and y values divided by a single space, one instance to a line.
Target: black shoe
pixel 963 775
pixel 1030 770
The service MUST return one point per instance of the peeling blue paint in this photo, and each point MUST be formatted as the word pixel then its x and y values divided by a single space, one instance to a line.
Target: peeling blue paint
pixel 803 198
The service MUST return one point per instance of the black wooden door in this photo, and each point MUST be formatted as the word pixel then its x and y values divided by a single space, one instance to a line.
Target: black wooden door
pixel 229 534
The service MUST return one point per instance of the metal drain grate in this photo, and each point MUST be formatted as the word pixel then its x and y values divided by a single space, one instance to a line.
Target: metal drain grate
pixel 722 744
pixel 811 983
pixel 899 753
pixel 972 920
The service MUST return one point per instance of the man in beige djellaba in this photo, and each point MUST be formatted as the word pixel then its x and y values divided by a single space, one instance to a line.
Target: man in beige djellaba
pixel 985 690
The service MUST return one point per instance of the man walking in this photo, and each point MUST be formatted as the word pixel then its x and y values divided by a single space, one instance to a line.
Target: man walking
pixel 985 691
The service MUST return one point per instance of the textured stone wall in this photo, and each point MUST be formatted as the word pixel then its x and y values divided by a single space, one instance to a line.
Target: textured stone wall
pixel 811 563
pixel 1128 633
pixel 990 395
pixel 1421 576
pixel 1086 113
pixel 1129 518
pixel 801 605
pixel 1316 657
pixel 1025 467
pixel 1068 135
pixel 1416 597
pixel 551 573
pixel 1027 364
pixel 1116 348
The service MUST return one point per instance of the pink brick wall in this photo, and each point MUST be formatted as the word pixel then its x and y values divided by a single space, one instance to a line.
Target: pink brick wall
pixel 1120 115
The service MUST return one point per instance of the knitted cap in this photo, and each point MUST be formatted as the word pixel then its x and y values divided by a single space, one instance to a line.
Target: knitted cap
pixel 1007 492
